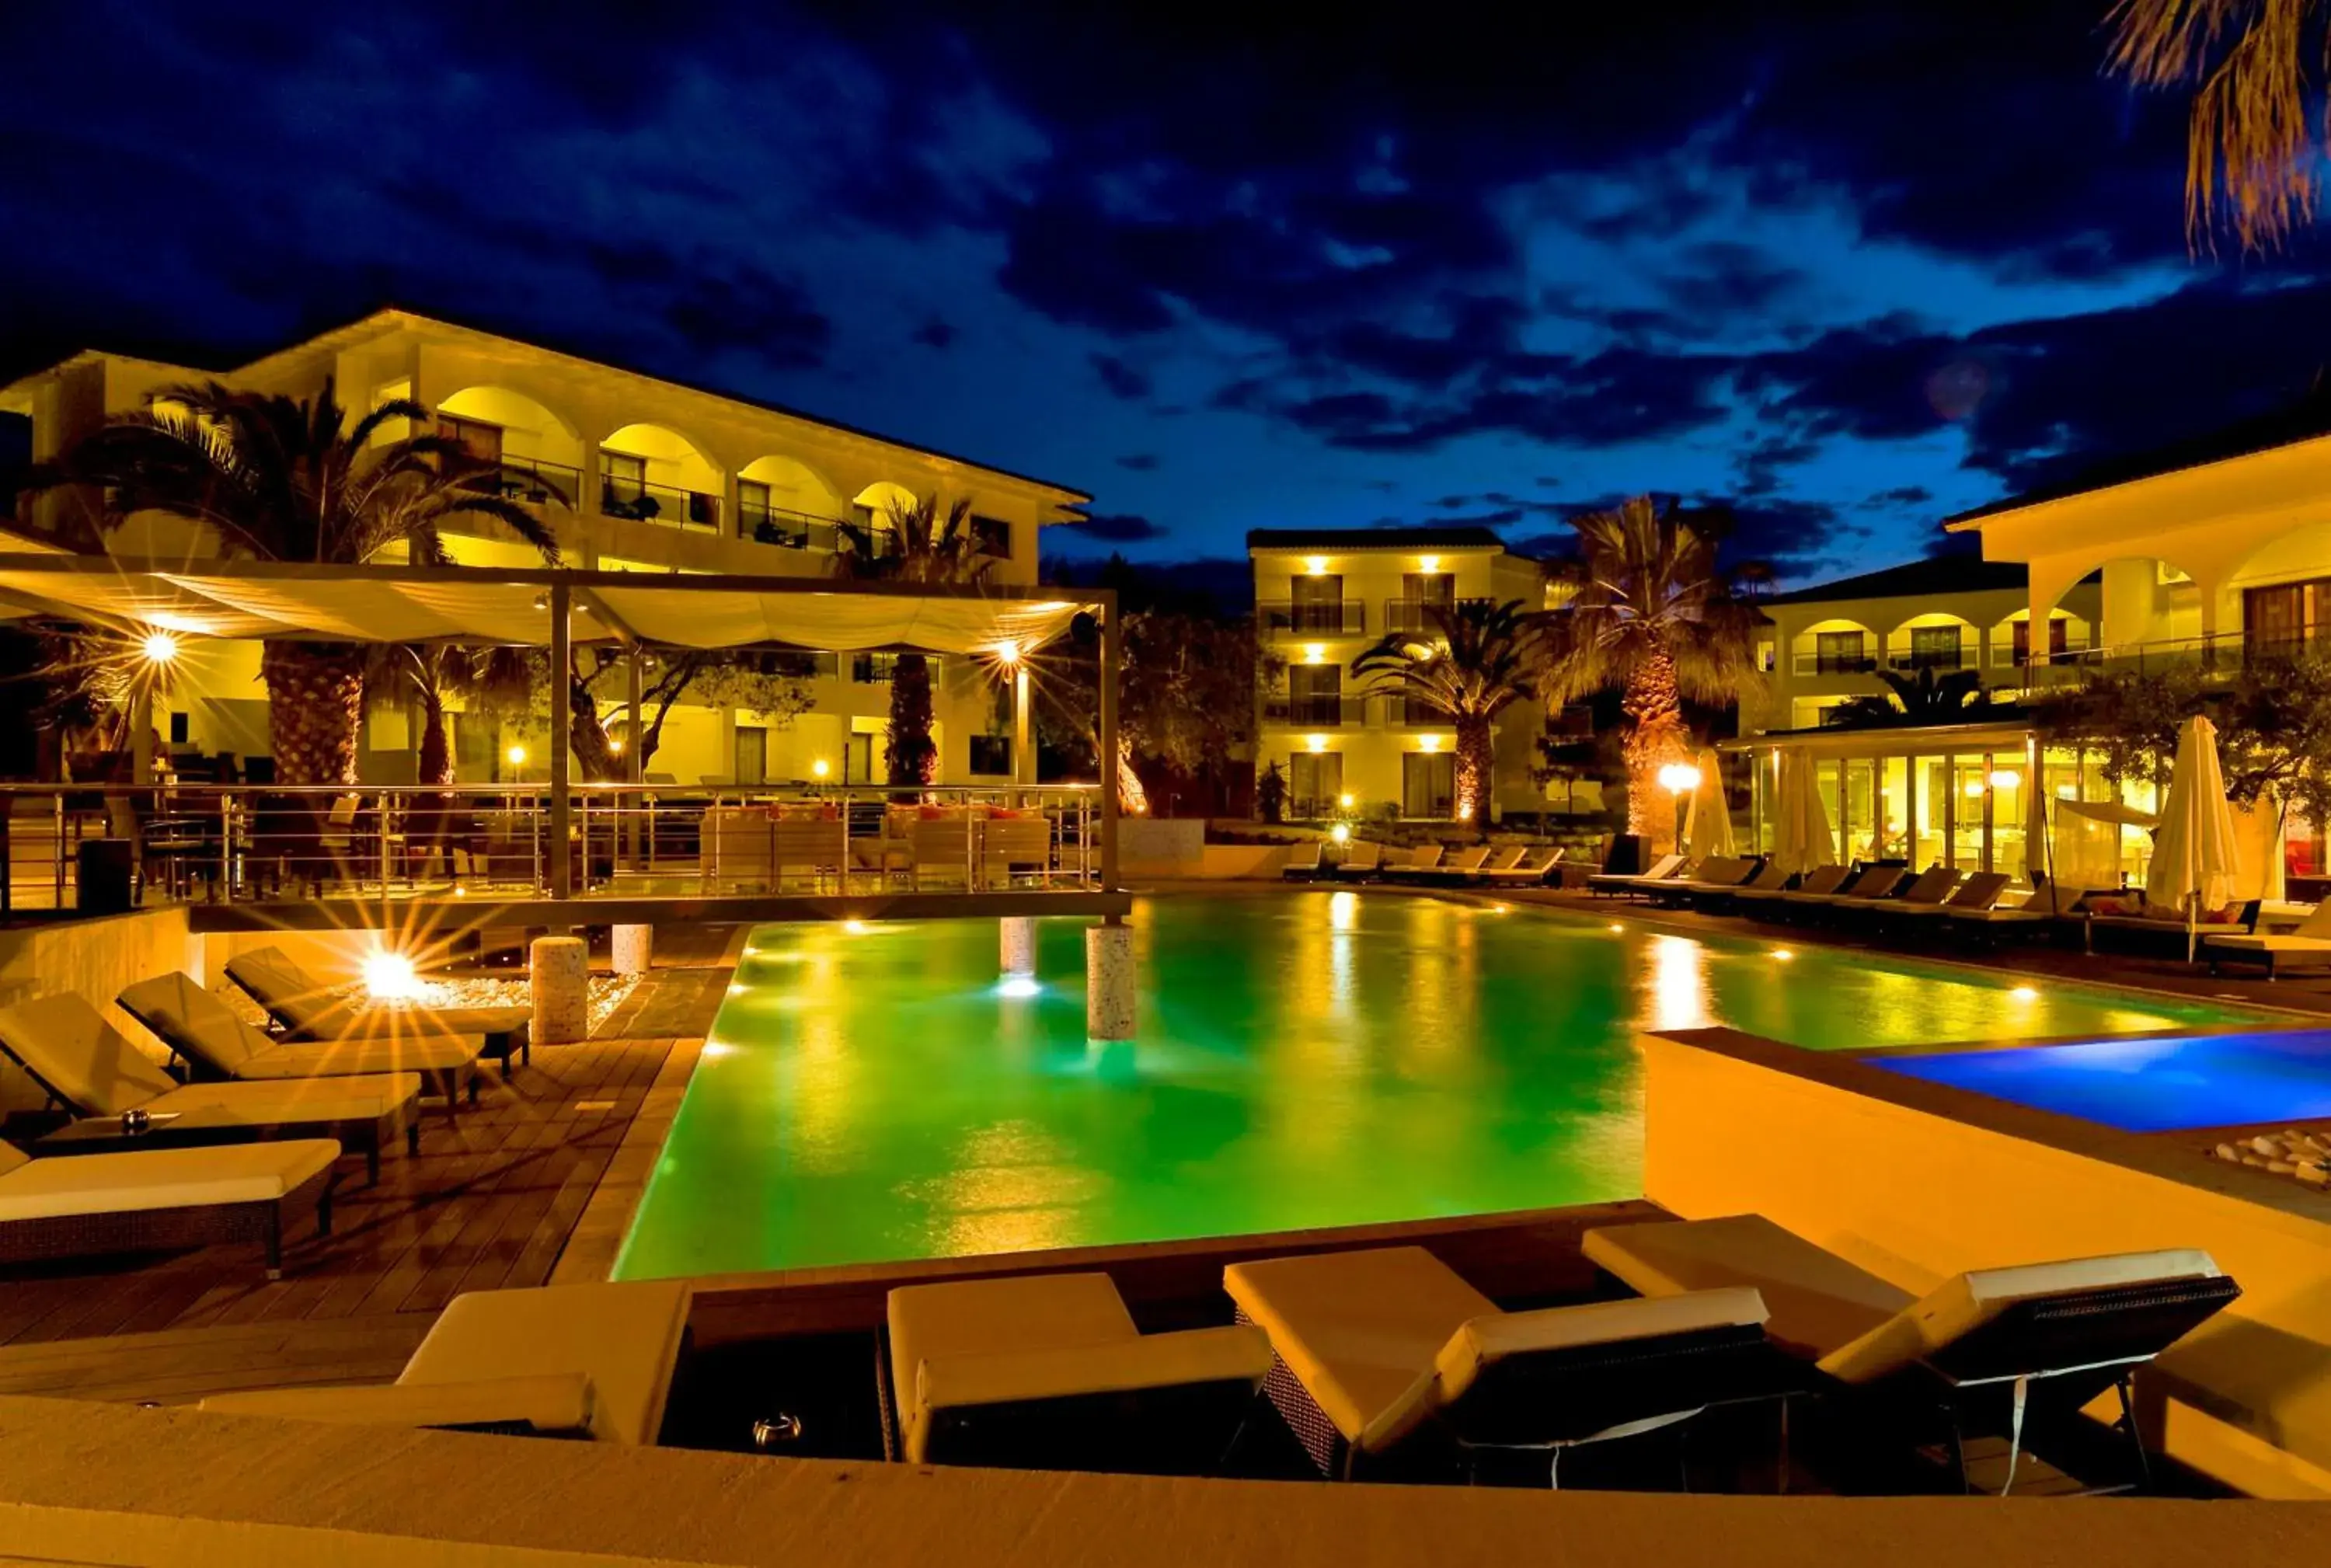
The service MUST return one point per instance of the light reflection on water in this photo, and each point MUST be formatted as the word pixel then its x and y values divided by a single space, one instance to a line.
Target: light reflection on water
pixel 1315 1059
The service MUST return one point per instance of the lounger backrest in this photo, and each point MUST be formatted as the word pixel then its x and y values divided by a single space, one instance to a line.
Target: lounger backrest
pixel 2317 921
pixel 1980 891
pixel 1875 882
pixel 1426 857
pixel 1768 875
pixel 1570 1372
pixel 1302 855
pixel 11 1157
pixel 290 996
pixel 1364 856
pixel 1468 859
pixel 69 1048
pixel 195 1025
pixel 1933 886
pixel 1666 866
pixel 1505 859
pixel 1822 880
pixel 1994 1323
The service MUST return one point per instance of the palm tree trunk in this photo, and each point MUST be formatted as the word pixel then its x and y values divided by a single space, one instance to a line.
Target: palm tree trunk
pixel 910 756
pixel 435 765
pixel 1653 709
pixel 315 710
pixel 1475 768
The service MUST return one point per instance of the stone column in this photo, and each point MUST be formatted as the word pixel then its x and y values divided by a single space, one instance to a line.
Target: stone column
pixel 559 971
pixel 634 948
pixel 1018 955
pixel 1110 992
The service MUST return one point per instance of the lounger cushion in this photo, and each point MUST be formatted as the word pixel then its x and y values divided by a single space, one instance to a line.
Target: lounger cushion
pixel 1960 1305
pixel 1232 1354
pixel 136 1181
pixel 1361 1331
pixel 195 1025
pixel 1481 1343
pixel 1034 1313
pixel 1818 1300
pixel 553 1402
pixel 625 1337
pixel 2229 942
pixel 68 1045
pixel 306 1099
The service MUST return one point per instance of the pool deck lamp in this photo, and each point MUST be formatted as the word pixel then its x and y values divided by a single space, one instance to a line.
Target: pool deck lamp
pixel 1679 779
pixel 515 756
pixel 158 648
pixel 389 976
pixel 1341 833
pixel 819 768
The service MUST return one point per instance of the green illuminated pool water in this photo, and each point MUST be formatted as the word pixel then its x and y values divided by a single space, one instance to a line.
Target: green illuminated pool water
pixel 1304 1059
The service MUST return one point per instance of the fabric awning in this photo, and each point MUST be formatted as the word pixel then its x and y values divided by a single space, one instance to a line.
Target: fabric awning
pixel 474 604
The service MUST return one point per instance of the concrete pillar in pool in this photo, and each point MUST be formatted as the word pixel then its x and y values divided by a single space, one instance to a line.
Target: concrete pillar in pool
pixel 1017 955
pixel 1110 992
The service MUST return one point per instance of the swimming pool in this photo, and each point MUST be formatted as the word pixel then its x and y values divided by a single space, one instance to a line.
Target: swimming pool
pixel 1304 1059
pixel 2150 1086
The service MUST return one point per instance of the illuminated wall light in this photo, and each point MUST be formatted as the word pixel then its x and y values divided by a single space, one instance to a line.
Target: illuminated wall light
pixel 2005 778
pixel 1315 566
pixel 1429 742
pixel 1347 802
pixel 1315 653
pixel 1315 744
pixel 515 756
pixel 1429 566
pixel 819 768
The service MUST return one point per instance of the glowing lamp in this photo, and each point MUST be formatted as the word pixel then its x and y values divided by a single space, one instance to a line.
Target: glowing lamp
pixel 515 756
pixel 1315 566
pixel 1975 786
pixel 1428 566
pixel 819 768
pixel 1679 778
pixel 1429 742
pixel 1783 954
pixel 158 648
pixel 1616 927
pixel 615 744
pixel 1465 812
pixel 1007 652
pixel 389 976
pixel 1315 744
pixel 1315 653
pixel 855 928
pixel 1347 802
pixel 2005 778
pixel 1341 833
pixel 2025 994
pixel 1020 986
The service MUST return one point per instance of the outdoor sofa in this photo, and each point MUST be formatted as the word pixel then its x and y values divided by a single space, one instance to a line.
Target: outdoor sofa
pixel 157 1200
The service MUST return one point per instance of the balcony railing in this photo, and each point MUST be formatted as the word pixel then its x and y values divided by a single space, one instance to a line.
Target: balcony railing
pixel 262 845
pixel 1316 712
pixel 1411 713
pixel 794 530
pixel 2007 656
pixel 536 483
pixel 2223 653
pixel 1931 659
pixel 643 501
pixel 1412 614
pixel 1834 664
pixel 1283 618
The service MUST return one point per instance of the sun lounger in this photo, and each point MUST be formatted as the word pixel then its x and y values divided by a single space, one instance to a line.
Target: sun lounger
pixel 589 1361
pixel 157 1200
pixel 1361 859
pixel 1980 891
pixel 2043 1338
pixel 1048 1372
pixel 1534 867
pixel 1388 1352
pixel 1661 870
pixel 1422 862
pixel 307 1010
pixel 1930 886
pixel 203 1032
pixel 1872 882
pixel 2308 944
pixel 81 1062
pixel 1302 863
pixel 1718 875
pixel 1817 883
pixel 1502 860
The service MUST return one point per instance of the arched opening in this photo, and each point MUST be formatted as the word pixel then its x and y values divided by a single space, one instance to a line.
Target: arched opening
pixel 1936 641
pixel 540 456
pixel 1833 647
pixel 2146 607
pixel 877 502
pixel 650 473
pixel 2278 601
pixel 781 501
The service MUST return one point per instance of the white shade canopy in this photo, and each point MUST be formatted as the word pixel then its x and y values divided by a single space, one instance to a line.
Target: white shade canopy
pixel 1801 838
pixel 512 608
pixel 1708 819
pixel 2195 860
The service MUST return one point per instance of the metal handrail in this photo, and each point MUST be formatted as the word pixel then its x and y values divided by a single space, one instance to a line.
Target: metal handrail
pixel 644 500
pixel 1316 712
pixel 792 530
pixel 1284 617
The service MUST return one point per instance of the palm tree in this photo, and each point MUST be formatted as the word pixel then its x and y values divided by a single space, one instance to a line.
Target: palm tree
pixel 1924 698
pixel 2250 156
pixel 1482 661
pixel 278 479
pixel 920 545
pixel 1654 616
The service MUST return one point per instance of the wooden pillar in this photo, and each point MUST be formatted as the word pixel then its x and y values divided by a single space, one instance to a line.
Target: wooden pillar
pixel 1108 661
pixel 562 665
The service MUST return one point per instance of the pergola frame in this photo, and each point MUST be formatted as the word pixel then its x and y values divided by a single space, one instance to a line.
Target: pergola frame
pixel 567 590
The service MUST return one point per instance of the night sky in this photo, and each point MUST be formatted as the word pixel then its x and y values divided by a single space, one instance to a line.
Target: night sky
pixel 1849 270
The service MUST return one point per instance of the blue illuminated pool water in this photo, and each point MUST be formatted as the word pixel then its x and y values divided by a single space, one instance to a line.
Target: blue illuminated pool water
pixel 2149 1086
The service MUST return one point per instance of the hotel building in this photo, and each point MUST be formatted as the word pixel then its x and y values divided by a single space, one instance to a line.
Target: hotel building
pixel 632 472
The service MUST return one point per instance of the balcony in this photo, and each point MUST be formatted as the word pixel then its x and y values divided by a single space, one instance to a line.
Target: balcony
pixel 1283 618
pixel 643 501
pixel 533 482
pixel 1316 712
pixel 1409 713
pixel 792 530
pixel 2008 656
pixel 1931 659
pixel 1832 664
pixel 1412 615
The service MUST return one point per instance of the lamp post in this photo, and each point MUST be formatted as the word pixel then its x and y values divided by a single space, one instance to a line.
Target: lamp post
pixel 1679 779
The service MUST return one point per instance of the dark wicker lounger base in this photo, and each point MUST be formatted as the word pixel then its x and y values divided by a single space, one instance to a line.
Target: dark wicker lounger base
pixel 171 1229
